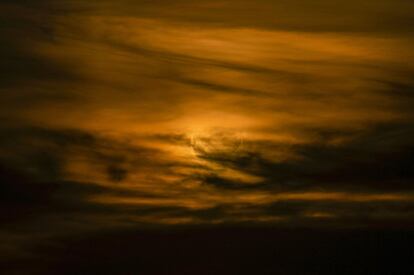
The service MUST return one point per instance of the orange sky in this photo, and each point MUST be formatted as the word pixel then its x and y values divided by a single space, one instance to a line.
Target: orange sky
pixel 193 107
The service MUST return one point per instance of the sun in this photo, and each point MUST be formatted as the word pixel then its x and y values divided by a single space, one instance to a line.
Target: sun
pixel 216 143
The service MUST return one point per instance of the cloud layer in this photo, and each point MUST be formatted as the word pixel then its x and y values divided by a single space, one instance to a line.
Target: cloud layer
pixel 138 113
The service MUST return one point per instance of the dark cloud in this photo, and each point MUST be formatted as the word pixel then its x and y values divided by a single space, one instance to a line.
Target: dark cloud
pixel 44 153
pixel 342 16
pixel 116 173
pixel 33 165
pixel 23 26
pixel 223 88
pixel 377 159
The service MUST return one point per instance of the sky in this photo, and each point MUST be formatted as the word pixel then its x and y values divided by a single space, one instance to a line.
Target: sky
pixel 157 114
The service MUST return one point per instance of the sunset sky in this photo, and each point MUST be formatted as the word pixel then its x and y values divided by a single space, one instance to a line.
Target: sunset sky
pixel 132 115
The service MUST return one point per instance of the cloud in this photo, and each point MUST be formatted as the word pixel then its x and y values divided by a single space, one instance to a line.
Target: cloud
pixel 343 16
pixel 376 159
